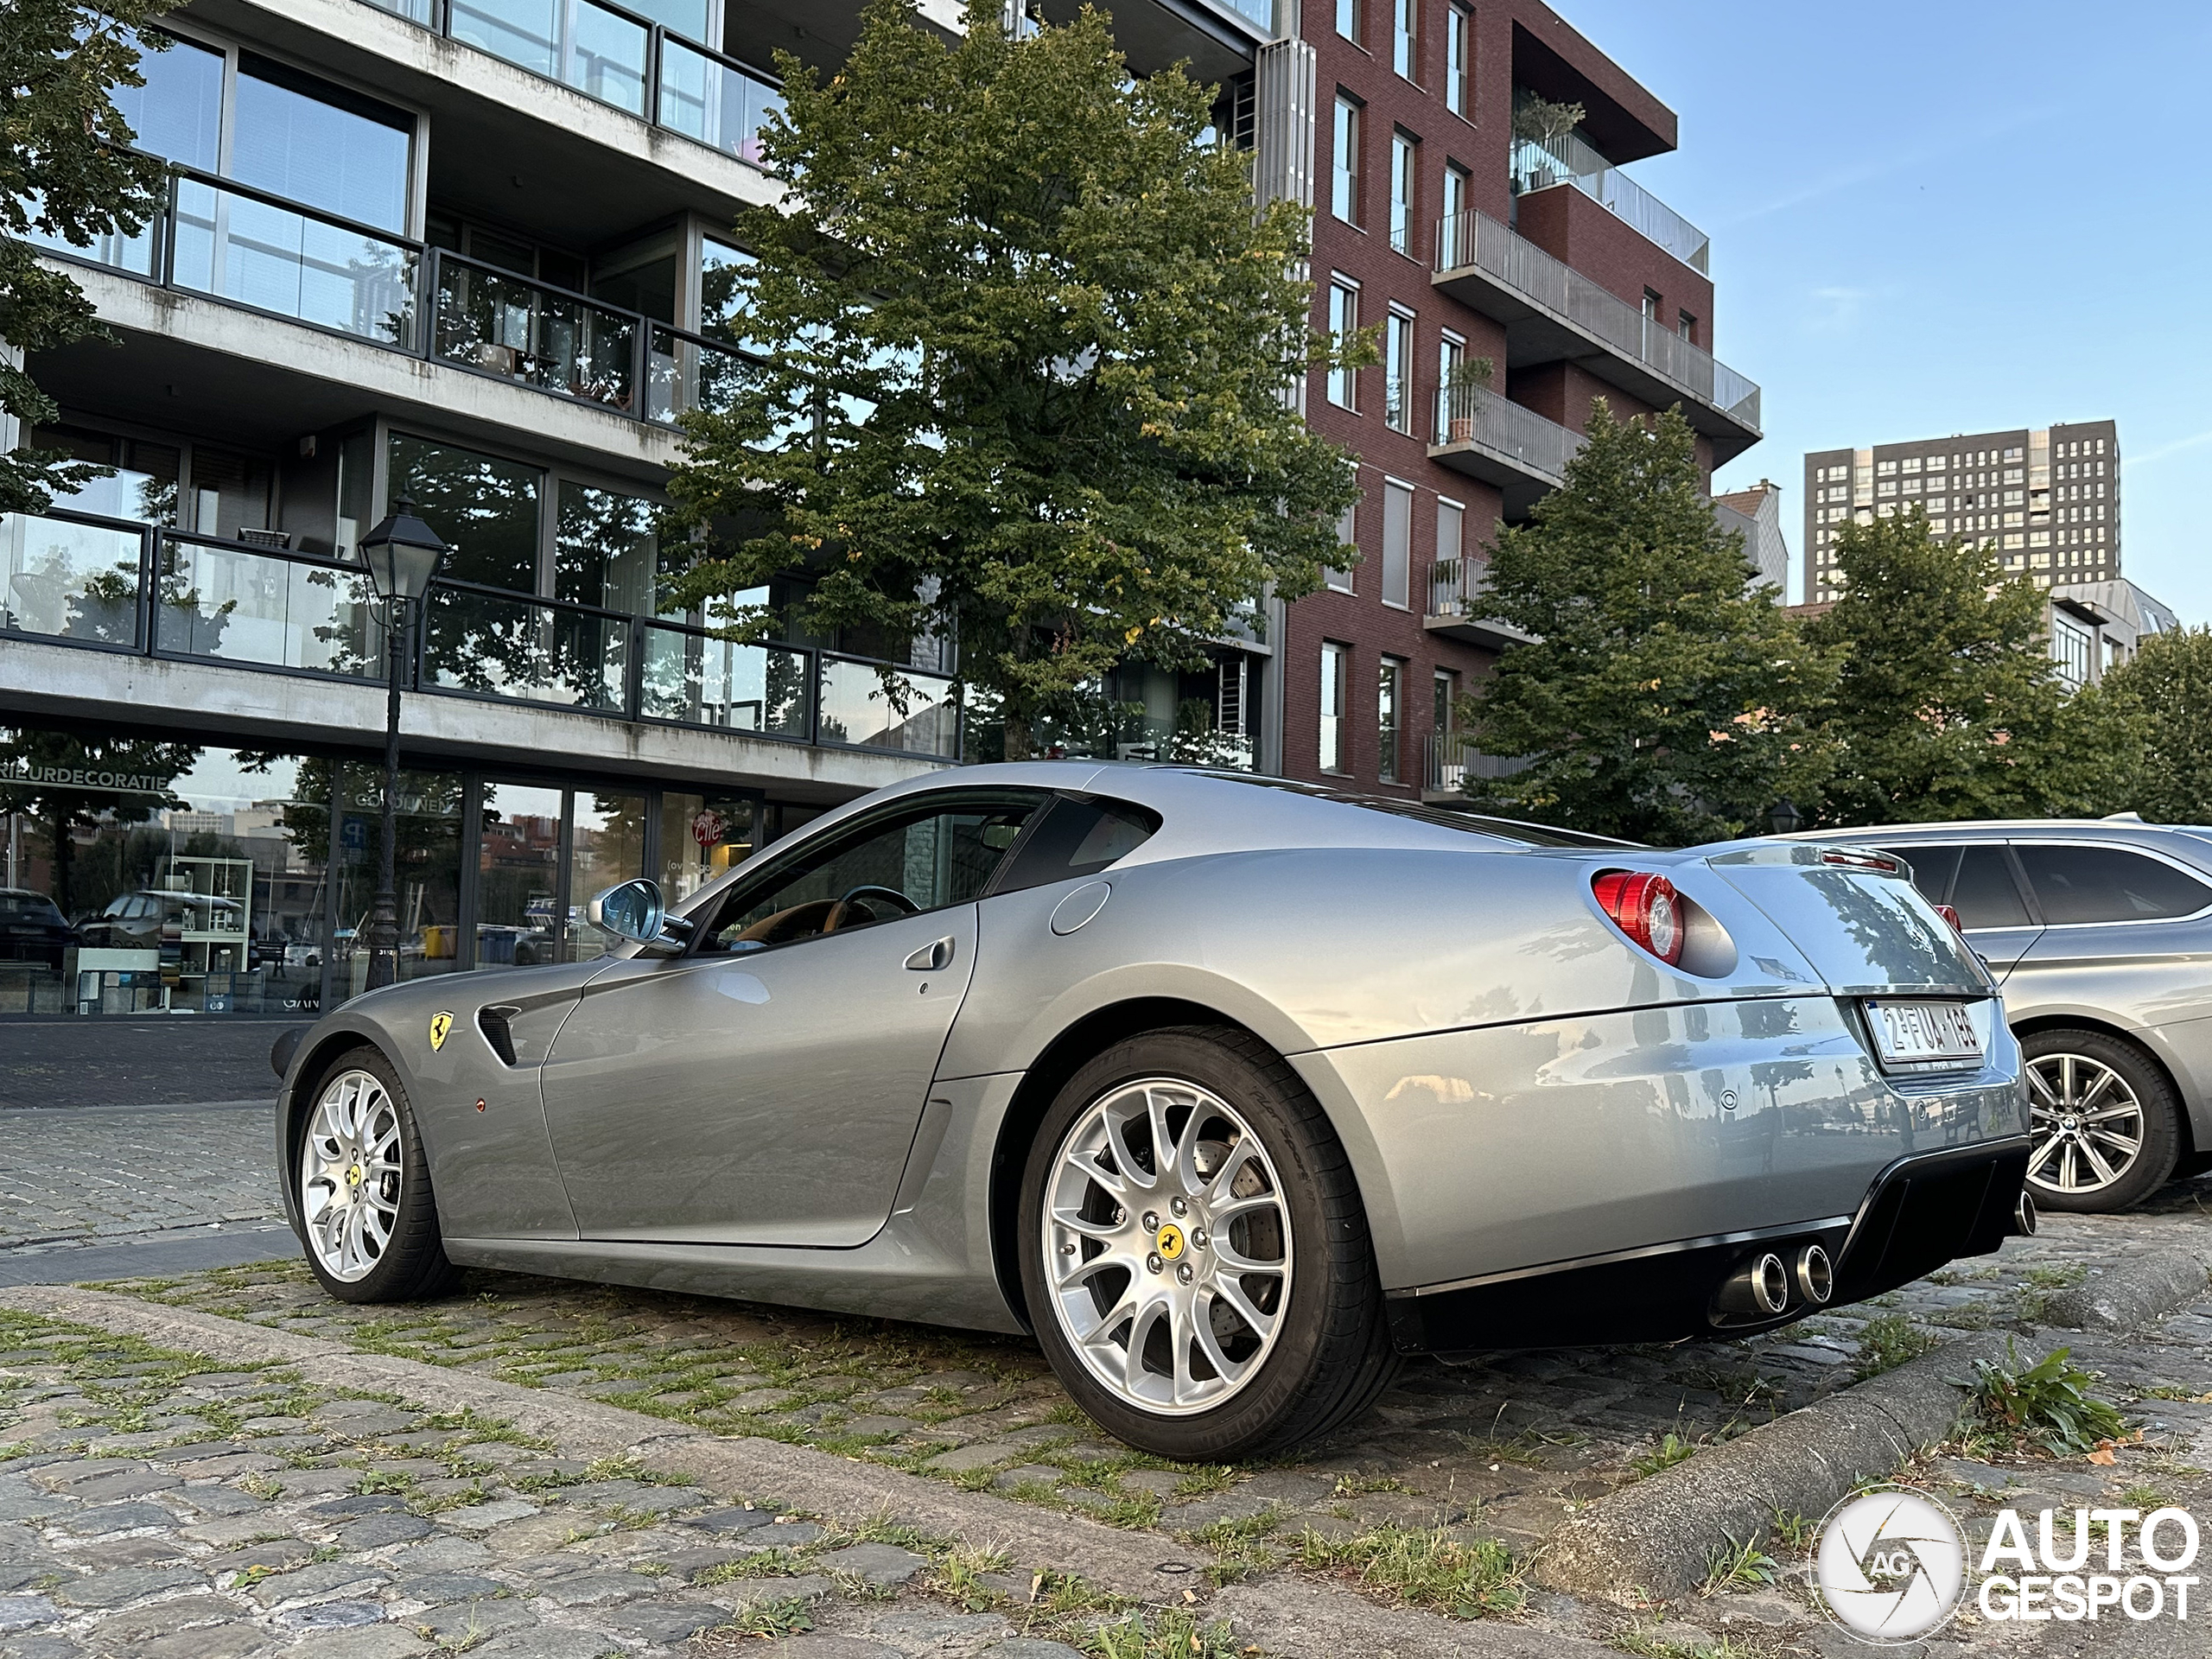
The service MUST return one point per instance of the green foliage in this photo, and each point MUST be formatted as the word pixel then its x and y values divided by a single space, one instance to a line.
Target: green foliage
pixel 64 171
pixel 2167 686
pixel 1739 1567
pixel 1887 1340
pixel 1671 1450
pixel 1948 705
pixel 2049 1404
pixel 1167 1633
pixel 1792 1529
pixel 1053 334
pixel 1426 1567
pixel 1664 698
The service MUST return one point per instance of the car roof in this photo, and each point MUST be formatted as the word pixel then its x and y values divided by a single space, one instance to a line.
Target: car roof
pixel 2127 829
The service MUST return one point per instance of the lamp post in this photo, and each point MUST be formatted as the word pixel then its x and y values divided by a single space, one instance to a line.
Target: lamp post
pixel 1783 819
pixel 401 554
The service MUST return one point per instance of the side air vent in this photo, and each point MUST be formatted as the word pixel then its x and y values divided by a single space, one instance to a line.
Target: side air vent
pixel 492 1022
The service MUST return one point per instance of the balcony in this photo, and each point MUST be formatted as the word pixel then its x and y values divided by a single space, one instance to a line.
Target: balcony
pixel 134 590
pixel 1547 163
pixel 1452 759
pixel 1552 312
pixel 1456 608
pixel 1491 438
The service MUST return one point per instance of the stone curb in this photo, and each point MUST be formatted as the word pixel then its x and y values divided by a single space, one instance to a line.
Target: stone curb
pixel 2131 1290
pixel 1284 1615
pixel 1144 1565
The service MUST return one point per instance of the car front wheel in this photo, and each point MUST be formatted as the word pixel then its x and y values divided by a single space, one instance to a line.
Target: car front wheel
pixel 1194 1253
pixel 367 1215
pixel 2106 1127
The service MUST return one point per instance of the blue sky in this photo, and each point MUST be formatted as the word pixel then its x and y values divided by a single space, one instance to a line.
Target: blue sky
pixel 1949 217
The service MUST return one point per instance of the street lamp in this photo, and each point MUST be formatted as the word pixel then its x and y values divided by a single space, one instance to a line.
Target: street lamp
pixel 401 554
pixel 1783 819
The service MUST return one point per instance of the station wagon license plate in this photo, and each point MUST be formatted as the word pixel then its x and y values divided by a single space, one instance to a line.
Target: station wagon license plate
pixel 1919 1034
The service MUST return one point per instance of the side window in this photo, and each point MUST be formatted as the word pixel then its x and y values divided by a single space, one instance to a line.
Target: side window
pixel 1932 868
pixel 1984 894
pixel 2104 884
pixel 1077 837
pixel 925 860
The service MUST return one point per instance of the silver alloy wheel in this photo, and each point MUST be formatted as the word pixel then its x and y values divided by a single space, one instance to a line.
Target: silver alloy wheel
pixel 2087 1124
pixel 1167 1246
pixel 349 1174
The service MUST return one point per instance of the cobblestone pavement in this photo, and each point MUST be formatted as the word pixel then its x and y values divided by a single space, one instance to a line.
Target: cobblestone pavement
pixel 155 1505
pixel 111 1172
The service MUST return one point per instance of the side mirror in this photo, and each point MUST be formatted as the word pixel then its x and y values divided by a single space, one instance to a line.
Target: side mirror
pixel 634 912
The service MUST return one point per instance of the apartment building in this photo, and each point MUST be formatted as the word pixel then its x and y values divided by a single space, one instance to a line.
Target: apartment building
pixel 2044 499
pixel 474 252
pixel 1468 245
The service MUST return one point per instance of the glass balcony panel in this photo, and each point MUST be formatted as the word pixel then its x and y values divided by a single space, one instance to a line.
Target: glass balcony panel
pixel 237 605
pixel 240 248
pixel 136 254
pixel 609 57
pixel 512 327
pixel 68 580
pixel 526 33
pixel 702 681
pixel 513 647
pixel 1542 163
pixel 857 709
pixel 715 102
pixel 424 12
pixel 686 372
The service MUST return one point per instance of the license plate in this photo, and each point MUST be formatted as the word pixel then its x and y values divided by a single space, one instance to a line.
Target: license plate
pixel 1920 1035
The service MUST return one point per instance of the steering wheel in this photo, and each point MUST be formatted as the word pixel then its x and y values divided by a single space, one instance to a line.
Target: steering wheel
pixel 867 894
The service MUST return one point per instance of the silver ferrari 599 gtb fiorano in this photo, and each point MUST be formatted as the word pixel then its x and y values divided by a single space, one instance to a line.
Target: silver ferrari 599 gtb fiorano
pixel 1230 1090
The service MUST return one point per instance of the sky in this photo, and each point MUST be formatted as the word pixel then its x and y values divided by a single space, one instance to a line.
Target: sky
pixel 1951 216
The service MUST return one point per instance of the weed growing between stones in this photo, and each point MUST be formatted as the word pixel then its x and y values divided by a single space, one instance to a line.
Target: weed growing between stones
pixel 1888 1340
pixel 2047 1404
pixel 1425 1567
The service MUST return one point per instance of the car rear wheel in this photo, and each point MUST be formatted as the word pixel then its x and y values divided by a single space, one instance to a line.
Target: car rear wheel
pixel 1194 1252
pixel 2105 1123
pixel 367 1216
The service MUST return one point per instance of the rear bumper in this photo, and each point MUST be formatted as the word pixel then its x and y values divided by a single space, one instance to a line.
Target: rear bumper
pixel 1919 1213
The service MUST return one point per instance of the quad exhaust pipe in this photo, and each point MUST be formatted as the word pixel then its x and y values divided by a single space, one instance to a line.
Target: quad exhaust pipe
pixel 1764 1285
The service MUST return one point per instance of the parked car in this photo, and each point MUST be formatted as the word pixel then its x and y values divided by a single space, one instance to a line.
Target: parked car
pixel 2100 935
pixel 1230 1090
pixel 32 928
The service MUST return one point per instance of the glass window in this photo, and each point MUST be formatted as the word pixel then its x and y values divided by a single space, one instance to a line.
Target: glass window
pixel 426 851
pixel 1404 38
pixel 2104 884
pixel 1398 372
pixel 1397 544
pixel 485 510
pixel 1344 191
pixel 606 551
pixel 1405 169
pixel 1933 869
pixel 722 275
pixel 1459 60
pixel 1390 694
pixel 518 876
pixel 1344 318
pixel 703 836
pixel 1347 535
pixel 1444 696
pixel 142 486
pixel 178 113
pixel 1077 835
pixel 607 845
pixel 1348 19
pixel 921 861
pixel 1457 200
pixel 230 492
pixel 1335 661
pixel 1984 894
pixel 312 143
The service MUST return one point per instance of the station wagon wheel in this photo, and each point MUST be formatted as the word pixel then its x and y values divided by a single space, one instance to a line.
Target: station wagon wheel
pixel 1194 1250
pixel 361 1187
pixel 2103 1122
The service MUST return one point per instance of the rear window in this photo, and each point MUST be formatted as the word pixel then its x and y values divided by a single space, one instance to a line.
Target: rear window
pixel 1932 868
pixel 28 907
pixel 2105 884
pixel 1077 835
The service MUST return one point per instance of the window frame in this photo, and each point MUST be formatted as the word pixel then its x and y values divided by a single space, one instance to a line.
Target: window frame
pixel 1335 677
pixel 1458 59
pixel 1390 716
pixel 1344 307
pixel 1347 137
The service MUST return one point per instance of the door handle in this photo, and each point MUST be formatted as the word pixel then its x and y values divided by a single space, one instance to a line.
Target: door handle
pixel 932 957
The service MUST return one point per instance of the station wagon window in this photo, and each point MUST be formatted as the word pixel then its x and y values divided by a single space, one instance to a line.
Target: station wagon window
pixel 1984 894
pixel 1932 868
pixel 2105 884
pixel 928 859
pixel 1077 835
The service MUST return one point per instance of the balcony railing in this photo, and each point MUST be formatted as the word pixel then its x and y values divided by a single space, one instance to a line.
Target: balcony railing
pixel 1542 163
pixel 76 579
pixel 1478 414
pixel 545 337
pixel 618 56
pixel 1477 240
pixel 1453 759
pixel 1456 587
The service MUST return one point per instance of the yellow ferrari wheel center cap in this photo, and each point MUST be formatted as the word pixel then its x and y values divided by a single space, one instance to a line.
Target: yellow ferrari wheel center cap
pixel 354 1176
pixel 1170 1242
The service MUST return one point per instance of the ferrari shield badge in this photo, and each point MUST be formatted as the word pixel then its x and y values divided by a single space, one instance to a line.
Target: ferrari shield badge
pixel 441 1023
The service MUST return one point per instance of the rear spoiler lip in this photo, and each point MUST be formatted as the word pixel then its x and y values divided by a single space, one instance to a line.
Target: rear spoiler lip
pixel 1832 854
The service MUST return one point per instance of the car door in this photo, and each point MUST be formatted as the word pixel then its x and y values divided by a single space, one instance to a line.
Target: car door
pixel 1977 879
pixel 763 1088
pixel 2126 932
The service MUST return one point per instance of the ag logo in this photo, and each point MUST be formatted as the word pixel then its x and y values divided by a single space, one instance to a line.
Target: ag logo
pixel 1171 1242
pixel 1892 1565
pixel 441 1023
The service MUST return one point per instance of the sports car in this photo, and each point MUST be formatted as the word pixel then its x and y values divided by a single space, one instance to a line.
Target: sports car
pixel 1229 1090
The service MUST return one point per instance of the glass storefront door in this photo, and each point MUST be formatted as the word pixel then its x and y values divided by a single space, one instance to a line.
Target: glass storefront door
pixel 426 873
pixel 607 844
pixel 518 923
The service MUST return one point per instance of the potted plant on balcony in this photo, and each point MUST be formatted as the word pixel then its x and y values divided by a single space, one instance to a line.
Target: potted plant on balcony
pixel 1461 382
pixel 1542 125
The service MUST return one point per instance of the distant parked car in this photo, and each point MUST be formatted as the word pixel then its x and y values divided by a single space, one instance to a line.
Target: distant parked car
pixel 141 921
pixel 32 928
pixel 2100 935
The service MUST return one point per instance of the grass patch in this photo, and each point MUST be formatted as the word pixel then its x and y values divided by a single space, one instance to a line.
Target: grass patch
pixel 1169 1634
pixel 1422 1566
pixel 1887 1341
pixel 1671 1450
pixel 1739 1567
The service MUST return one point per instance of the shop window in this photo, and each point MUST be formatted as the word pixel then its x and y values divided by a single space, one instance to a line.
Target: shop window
pixel 427 860
pixel 485 509
pixel 702 836
pixel 518 923
pixel 607 845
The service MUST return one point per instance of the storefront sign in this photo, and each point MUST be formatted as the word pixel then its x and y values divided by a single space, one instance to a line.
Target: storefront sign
pixel 23 773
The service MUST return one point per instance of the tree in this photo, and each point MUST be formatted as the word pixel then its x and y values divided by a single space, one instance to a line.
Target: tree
pixel 1026 340
pixel 67 784
pixel 1947 702
pixel 2167 686
pixel 1662 696
pixel 65 171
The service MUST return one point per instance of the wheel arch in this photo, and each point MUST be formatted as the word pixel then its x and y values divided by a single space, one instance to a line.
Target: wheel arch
pixel 2194 1139
pixel 294 1095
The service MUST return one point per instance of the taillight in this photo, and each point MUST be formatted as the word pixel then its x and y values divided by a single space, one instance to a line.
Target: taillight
pixel 1645 908
pixel 1951 916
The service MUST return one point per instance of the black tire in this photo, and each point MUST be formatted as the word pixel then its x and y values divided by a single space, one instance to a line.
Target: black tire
pixel 411 1265
pixel 1331 1355
pixel 2057 1183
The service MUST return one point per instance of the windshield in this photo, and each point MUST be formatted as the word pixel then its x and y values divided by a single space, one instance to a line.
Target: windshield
pixel 1476 823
